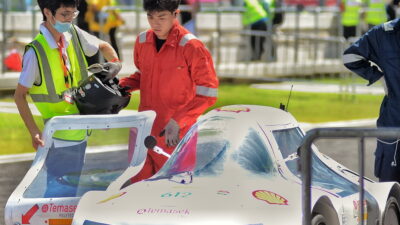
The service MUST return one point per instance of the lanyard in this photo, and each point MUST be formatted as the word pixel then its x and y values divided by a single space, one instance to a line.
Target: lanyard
pixel 63 59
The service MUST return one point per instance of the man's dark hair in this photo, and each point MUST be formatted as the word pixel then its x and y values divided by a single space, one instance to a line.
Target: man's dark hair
pixel 160 5
pixel 53 5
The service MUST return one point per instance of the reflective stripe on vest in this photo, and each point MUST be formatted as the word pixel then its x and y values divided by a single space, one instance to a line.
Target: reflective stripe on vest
pixel 79 53
pixel 254 12
pixel 206 91
pixel 186 38
pixel 51 96
pixel 142 37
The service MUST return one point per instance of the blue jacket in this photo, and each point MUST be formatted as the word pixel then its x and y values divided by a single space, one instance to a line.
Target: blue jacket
pixel 381 46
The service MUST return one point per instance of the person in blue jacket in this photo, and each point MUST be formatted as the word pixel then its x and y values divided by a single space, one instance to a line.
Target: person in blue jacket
pixel 376 55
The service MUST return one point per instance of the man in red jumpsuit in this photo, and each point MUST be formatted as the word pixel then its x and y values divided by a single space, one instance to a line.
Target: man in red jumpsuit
pixel 175 76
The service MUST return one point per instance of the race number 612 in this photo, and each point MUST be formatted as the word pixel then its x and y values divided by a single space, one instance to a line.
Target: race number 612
pixel 175 194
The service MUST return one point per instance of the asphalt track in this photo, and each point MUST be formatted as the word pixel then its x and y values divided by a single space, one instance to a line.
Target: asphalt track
pixel 10 176
pixel 344 151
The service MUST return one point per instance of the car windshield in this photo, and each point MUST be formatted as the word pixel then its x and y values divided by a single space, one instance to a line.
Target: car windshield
pixel 289 140
pixel 213 144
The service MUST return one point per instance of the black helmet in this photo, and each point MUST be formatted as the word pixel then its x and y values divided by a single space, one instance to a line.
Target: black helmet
pixel 96 95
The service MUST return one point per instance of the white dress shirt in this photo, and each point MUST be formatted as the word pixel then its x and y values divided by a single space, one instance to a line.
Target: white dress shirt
pixel 30 73
pixel 30 69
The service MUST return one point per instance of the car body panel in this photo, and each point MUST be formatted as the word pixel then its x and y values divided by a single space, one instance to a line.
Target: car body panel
pixel 238 165
pixel 249 176
pixel 30 204
pixel 173 202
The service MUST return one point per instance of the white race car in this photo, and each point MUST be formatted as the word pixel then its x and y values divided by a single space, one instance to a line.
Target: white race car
pixel 239 165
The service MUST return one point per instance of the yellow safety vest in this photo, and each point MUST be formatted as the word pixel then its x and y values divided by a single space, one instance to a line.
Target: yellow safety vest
pixel 271 7
pixel 47 95
pixel 351 14
pixel 253 12
pixel 376 13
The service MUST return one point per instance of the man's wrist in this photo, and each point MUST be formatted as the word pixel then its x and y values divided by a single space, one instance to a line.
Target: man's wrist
pixel 178 122
pixel 115 60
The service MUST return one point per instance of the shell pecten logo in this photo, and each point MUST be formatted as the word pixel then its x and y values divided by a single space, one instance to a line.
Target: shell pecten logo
pixel 270 197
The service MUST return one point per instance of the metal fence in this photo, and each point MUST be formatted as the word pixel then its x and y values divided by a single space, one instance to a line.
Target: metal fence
pixel 306 160
pixel 309 42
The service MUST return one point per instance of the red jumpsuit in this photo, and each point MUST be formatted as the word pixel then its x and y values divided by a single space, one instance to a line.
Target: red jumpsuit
pixel 177 82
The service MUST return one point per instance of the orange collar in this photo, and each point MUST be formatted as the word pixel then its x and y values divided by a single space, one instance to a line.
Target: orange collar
pixel 173 36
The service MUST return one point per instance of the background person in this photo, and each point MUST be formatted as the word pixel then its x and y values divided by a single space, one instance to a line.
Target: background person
pixel 391 9
pixel 188 19
pixel 256 16
pixel 83 24
pixel 376 13
pixel 111 20
pixel 350 17
pixel 53 63
pixel 176 78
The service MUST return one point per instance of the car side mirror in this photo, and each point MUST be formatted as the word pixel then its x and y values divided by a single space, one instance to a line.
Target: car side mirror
pixel 151 143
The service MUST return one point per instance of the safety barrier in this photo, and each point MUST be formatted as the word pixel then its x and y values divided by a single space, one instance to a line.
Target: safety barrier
pixel 306 160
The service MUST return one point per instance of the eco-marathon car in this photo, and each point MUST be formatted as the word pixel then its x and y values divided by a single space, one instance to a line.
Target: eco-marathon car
pixel 238 165
pixel 50 191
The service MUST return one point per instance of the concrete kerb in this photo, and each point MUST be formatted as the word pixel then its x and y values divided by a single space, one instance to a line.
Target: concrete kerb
pixel 322 88
pixel 348 123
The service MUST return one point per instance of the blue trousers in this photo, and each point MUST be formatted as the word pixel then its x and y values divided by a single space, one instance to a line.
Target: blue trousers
pixel 387 161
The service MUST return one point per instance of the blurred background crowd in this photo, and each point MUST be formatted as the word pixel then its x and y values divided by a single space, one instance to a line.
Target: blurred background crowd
pixel 248 38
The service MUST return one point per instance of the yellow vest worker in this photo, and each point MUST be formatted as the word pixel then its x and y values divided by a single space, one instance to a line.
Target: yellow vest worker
pixel 53 63
pixel 253 12
pixel 376 13
pixel 350 17
pixel 48 95
pixel 93 16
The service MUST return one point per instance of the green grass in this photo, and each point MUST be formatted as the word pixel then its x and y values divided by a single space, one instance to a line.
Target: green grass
pixel 306 107
pixel 14 138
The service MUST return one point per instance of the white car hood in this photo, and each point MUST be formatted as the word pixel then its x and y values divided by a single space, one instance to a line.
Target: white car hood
pixel 208 201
